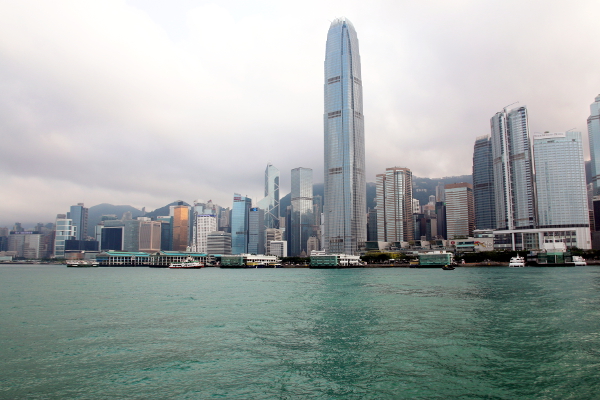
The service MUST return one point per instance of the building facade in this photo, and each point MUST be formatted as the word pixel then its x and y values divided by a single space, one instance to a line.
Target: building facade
pixel 270 203
pixel 394 205
pixel 180 227
pixel 302 219
pixel 560 180
pixel 593 125
pixel 514 190
pixel 239 224
pixel 460 216
pixel 64 230
pixel 256 231
pixel 79 215
pixel 218 243
pixel 483 184
pixel 345 185
pixel 203 225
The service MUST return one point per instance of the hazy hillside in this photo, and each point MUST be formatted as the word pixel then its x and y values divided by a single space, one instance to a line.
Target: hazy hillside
pixel 95 214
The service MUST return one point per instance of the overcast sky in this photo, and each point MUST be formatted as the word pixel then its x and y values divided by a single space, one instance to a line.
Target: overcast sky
pixel 145 102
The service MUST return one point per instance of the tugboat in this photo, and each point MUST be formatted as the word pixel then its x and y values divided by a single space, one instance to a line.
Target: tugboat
pixel 189 263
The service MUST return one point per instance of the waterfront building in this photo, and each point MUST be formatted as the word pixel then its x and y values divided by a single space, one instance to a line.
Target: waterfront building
pixel 560 180
pixel 460 216
pixel 239 224
pixel 180 226
pixel 302 220
pixel 79 215
pixel 64 230
pixel 26 244
pixel 150 235
pixel 256 231
pixel 394 199
pixel 345 185
pixel 514 192
pixel 593 125
pixel 483 184
pixel 272 234
pixel 279 248
pixel 166 232
pixel 270 203
pixel 204 221
pixel 218 243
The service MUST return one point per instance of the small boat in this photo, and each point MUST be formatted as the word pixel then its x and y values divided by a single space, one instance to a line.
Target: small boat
pixel 189 263
pixel 448 268
pixel 82 263
pixel 516 262
pixel 579 261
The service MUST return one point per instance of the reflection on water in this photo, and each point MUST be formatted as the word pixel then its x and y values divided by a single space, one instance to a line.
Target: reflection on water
pixel 298 333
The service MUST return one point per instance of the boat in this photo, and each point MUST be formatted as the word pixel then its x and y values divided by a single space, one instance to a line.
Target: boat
pixel 579 261
pixel 189 263
pixel 448 268
pixel 82 263
pixel 516 262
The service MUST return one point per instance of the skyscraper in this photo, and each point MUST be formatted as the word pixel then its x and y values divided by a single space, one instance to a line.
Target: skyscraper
pixel 514 192
pixel 460 219
pixel 270 203
pixel 483 183
pixel 593 124
pixel 180 226
pixel 302 220
pixel 394 205
pixel 79 215
pixel 239 224
pixel 560 180
pixel 256 231
pixel 345 186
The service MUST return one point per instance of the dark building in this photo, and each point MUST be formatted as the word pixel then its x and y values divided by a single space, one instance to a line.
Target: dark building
pixel 483 184
pixel 81 245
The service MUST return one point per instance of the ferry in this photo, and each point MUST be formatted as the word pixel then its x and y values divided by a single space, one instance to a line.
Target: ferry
pixel 516 262
pixel 579 261
pixel 82 263
pixel 189 263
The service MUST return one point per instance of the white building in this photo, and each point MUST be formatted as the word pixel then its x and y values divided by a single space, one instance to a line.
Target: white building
pixel 203 225
pixel 394 205
pixel 64 230
pixel 279 248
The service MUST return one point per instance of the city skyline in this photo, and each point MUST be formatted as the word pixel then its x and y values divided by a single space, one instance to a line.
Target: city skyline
pixel 133 104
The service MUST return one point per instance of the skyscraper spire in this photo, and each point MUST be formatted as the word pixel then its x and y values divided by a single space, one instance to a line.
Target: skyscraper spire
pixel 345 186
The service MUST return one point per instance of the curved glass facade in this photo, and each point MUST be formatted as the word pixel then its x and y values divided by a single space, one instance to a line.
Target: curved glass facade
pixel 593 124
pixel 345 187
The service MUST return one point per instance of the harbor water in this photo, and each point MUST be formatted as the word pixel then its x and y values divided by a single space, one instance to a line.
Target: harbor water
pixel 389 333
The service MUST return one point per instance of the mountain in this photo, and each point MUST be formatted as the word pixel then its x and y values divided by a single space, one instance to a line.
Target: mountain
pixel 95 214
pixel 163 211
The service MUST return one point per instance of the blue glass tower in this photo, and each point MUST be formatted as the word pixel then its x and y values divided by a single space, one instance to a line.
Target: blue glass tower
pixel 345 186
pixel 239 224
pixel 483 183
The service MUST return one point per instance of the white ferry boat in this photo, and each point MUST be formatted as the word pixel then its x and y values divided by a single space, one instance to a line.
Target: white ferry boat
pixel 189 263
pixel 579 261
pixel 82 263
pixel 516 262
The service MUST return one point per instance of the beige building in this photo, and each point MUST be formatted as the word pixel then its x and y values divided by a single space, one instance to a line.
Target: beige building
pixel 394 205
pixel 460 212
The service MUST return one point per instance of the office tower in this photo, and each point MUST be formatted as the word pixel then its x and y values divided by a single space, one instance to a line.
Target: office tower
pixel 79 215
pixel 203 225
pixel 514 192
pixel 560 180
pixel 270 203
pixel 180 226
pixel 256 231
pixel 345 186
pixel 394 205
pixel 460 216
pixel 26 244
pixel 64 230
pixel 372 225
pixel 150 235
pixel 239 224
pixel 302 217
pixel 483 184
pixel 440 212
pixel 218 243
pixel 272 234
pixel 416 206
pixel 312 244
pixel 279 248
pixel 439 192
pixel 593 125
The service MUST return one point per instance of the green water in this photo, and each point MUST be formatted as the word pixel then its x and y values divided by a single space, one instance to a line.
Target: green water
pixel 139 333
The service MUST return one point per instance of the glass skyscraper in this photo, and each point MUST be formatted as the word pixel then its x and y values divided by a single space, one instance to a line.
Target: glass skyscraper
pixel 345 186
pixel 514 192
pixel 483 184
pixel 302 210
pixel 239 224
pixel 593 124
pixel 270 203
pixel 560 180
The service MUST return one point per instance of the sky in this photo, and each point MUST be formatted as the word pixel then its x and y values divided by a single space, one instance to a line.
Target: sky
pixel 145 102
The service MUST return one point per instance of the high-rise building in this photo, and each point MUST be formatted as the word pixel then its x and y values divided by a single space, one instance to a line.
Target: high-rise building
pixel 79 215
pixel 514 191
pixel 270 203
pixel 560 180
pixel 203 225
pixel 483 183
pixel 302 220
pixel 64 230
pixel 256 231
pixel 272 234
pixel 345 185
pixel 460 216
pixel 149 235
pixel 219 243
pixel 394 205
pixel 593 125
pixel 180 226
pixel 239 224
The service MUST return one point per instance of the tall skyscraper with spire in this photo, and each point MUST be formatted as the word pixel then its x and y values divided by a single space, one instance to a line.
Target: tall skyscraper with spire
pixel 270 203
pixel 345 185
